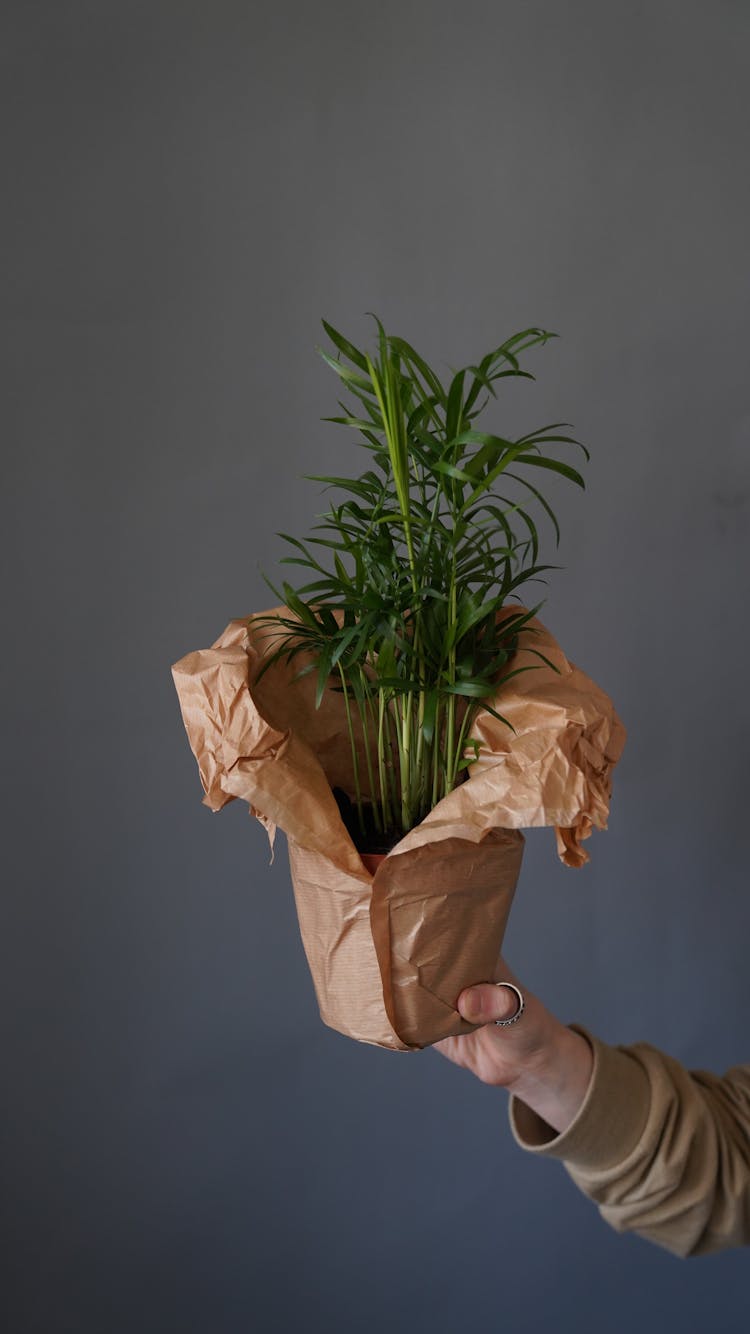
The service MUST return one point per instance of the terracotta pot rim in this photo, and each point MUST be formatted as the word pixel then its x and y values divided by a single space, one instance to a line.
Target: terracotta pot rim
pixel 372 860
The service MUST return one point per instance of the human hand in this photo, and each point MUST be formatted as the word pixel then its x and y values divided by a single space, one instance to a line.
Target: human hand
pixel 538 1059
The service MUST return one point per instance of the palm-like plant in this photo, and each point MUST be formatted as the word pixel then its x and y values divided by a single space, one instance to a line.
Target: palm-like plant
pixel 412 624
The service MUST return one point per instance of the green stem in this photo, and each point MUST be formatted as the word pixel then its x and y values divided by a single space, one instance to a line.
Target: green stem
pixel 382 776
pixel 451 727
pixel 355 761
pixel 392 748
pixel 419 760
pixel 404 751
pixel 368 759
pixel 436 757
pixel 468 718
pixel 413 731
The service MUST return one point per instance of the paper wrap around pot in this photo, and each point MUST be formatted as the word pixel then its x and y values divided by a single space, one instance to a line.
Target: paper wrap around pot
pixel 390 954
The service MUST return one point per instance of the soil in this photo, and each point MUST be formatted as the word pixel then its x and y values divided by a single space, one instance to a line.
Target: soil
pixel 373 840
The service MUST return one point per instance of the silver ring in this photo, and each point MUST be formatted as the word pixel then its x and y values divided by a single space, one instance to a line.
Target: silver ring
pixel 503 1023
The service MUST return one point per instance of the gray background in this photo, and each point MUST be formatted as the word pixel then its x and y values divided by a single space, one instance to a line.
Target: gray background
pixel 187 189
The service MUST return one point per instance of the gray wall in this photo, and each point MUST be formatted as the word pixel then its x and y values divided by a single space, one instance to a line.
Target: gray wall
pixel 187 189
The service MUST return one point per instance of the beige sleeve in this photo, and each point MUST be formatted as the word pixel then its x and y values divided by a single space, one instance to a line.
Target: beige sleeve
pixel 663 1151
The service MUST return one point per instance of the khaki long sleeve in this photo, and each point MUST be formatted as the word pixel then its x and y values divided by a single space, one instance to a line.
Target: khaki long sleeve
pixel 663 1151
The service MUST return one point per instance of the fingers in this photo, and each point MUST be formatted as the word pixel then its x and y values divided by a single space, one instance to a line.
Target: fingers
pixel 485 1003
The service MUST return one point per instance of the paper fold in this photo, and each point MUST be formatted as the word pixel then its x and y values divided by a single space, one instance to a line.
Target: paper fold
pixel 267 745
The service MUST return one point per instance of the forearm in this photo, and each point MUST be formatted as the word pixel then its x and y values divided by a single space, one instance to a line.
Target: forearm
pixel 661 1150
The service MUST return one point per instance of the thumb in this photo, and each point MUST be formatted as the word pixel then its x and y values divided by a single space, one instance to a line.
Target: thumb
pixel 484 1003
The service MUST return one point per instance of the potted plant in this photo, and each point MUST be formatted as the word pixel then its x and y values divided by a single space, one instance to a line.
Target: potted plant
pixel 408 679
pixel 428 548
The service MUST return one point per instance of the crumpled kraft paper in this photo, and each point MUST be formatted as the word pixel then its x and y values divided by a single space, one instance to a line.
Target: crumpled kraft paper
pixel 389 954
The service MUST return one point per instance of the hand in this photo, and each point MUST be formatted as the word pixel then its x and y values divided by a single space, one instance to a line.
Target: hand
pixel 538 1059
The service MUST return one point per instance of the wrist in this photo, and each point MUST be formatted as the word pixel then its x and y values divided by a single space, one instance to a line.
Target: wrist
pixel 555 1085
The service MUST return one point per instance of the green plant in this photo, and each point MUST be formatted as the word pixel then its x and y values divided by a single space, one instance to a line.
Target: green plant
pixel 412 625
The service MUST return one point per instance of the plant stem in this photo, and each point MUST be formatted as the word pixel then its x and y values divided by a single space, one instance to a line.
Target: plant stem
pixel 392 745
pixel 366 736
pixel 382 775
pixel 450 732
pixel 420 732
pixel 467 719
pixel 404 751
pixel 386 771
pixel 414 730
pixel 436 757
pixel 355 761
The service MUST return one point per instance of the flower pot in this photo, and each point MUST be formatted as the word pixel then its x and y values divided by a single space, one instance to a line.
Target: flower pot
pixel 372 860
pixel 392 939
pixel 391 949
pixel 389 953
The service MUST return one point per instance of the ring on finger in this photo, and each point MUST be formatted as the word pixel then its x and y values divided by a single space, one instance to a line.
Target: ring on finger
pixel 503 1023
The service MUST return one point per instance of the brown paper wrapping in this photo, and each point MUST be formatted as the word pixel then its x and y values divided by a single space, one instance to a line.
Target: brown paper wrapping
pixel 389 954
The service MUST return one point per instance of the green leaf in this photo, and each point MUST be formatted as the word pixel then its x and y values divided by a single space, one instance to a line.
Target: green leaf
pixel 453 412
pixel 301 547
pixel 473 689
pixel 547 661
pixel 404 684
pixel 279 596
pixel 510 456
pixel 348 349
pixel 429 376
pixel 358 488
pixel 324 671
pixel 554 465
pixel 469 617
pixel 466 763
pixel 544 504
pixel 496 444
pixel 481 381
pixel 529 575
pixel 342 571
pixel 296 604
pixel 448 470
pixel 490 709
pixel 537 440
pixel 344 643
pixel 349 377
pixel 358 422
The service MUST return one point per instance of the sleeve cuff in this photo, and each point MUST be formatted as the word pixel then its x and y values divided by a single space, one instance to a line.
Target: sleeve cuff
pixel 607 1125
